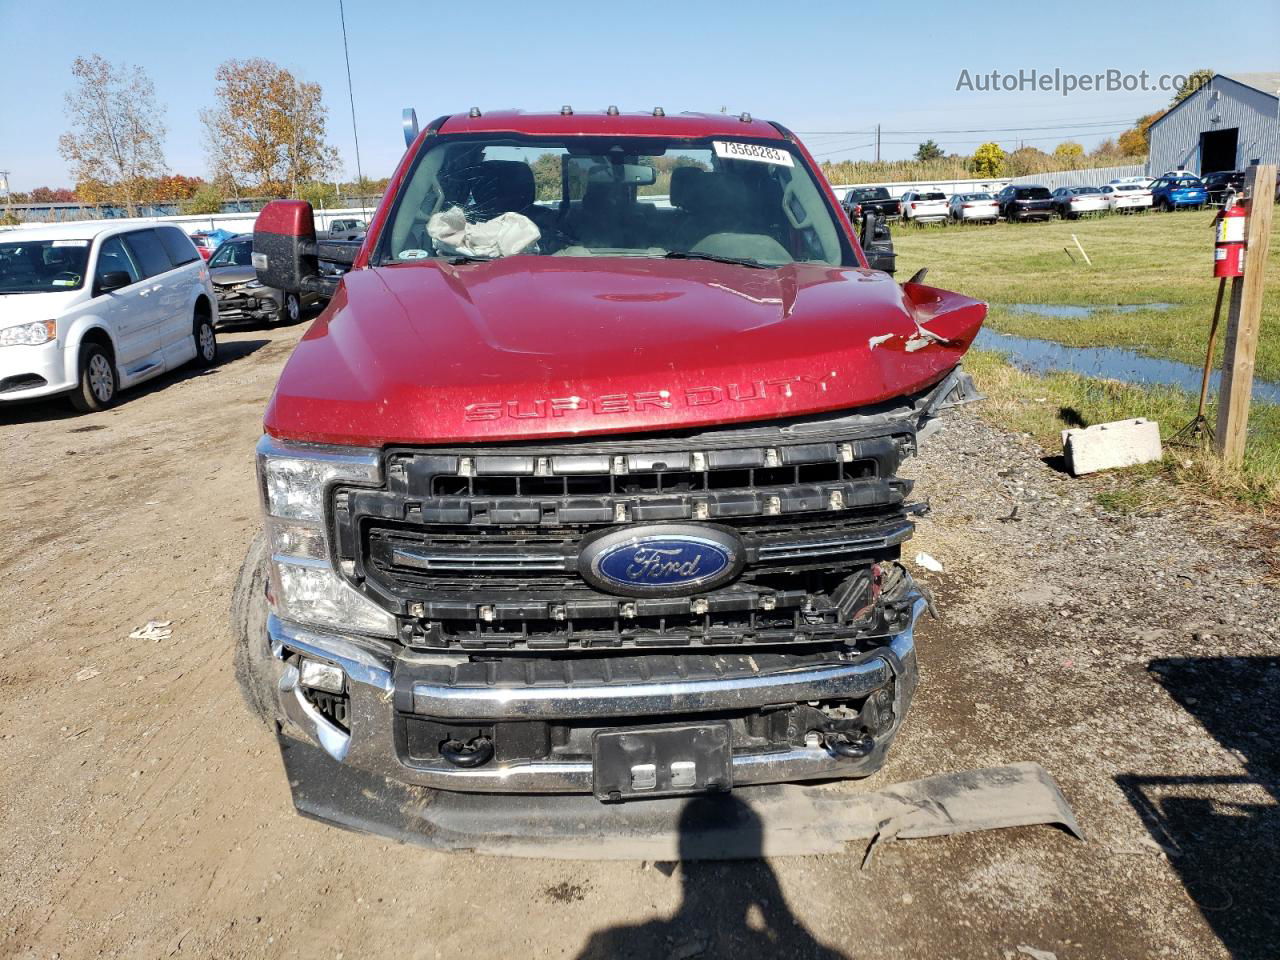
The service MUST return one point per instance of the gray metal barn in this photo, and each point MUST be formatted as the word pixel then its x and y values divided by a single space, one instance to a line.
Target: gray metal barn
pixel 1227 124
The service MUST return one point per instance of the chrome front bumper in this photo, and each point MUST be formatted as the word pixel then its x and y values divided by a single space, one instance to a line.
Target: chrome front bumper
pixel 370 686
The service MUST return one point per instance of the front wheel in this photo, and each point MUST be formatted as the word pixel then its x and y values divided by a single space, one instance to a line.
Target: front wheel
pixel 96 389
pixel 251 656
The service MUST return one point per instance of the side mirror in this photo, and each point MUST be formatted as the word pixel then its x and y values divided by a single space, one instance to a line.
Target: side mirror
pixel 286 254
pixel 284 245
pixel 113 280
pixel 877 244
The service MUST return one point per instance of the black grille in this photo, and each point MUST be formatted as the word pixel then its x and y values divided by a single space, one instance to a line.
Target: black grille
pixel 479 548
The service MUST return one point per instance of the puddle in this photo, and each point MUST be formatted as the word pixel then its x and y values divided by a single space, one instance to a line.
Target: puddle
pixel 1112 363
pixel 1072 310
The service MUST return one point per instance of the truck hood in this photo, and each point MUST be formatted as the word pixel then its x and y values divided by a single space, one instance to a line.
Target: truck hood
pixel 536 347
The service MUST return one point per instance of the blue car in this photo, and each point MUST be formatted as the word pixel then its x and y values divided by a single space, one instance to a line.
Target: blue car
pixel 1175 190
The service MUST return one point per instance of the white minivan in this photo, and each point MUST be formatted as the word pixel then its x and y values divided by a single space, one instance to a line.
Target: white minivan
pixel 87 309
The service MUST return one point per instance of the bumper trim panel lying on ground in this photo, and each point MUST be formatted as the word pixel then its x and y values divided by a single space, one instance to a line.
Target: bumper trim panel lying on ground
pixel 754 821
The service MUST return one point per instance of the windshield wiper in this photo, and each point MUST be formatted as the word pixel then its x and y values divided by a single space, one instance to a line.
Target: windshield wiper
pixel 740 261
pixel 468 258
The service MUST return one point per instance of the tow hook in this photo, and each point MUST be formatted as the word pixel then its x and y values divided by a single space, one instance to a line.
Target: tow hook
pixel 843 746
pixel 473 753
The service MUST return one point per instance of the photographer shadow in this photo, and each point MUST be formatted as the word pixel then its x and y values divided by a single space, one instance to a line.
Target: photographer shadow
pixel 729 908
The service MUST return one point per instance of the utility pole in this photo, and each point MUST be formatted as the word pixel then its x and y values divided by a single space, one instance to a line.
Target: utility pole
pixel 877 143
pixel 1244 317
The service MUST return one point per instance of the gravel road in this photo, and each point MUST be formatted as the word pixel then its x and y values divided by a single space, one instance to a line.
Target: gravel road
pixel 145 813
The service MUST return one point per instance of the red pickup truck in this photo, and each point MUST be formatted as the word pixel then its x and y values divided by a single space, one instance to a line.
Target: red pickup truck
pixel 582 493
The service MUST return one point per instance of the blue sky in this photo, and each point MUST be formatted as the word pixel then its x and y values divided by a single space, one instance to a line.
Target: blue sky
pixel 796 62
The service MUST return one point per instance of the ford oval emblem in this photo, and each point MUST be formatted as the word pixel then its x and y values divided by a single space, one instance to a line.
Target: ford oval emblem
pixel 661 560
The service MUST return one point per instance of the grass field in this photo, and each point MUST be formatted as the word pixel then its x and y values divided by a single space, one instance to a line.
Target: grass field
pixel 1144 258
pixel 1151 258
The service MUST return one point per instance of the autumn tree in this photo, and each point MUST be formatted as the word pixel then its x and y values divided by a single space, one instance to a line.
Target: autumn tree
pixel 1195 80
pixel 51 195
pixel 1136 142
pixel 928 151
pixel 268 128
pixel 1069 154
pixel 1026 160
pixel 117 130
pixel 988 160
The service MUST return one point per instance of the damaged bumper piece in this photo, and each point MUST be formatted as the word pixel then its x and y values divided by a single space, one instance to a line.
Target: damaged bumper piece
pixel 780 717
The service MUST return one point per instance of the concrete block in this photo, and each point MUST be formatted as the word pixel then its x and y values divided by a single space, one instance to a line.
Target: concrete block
pixel 1105 446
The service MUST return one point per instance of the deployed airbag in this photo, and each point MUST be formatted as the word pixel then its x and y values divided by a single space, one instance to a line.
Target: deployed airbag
pixel 503 236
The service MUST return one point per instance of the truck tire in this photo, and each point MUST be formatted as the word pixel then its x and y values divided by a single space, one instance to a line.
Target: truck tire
pixel 98 384
pixel 255 675
pixel 290 309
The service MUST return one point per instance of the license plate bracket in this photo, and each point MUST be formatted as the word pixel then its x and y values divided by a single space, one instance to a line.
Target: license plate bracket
pixel 662 762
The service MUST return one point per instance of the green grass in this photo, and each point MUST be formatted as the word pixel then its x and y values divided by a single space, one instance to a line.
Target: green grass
pixel 1145 258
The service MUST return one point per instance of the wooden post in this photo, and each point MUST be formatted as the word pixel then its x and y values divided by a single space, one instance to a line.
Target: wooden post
pixel 1244 317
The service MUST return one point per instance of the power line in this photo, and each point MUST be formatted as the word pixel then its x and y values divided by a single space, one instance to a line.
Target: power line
pixel 355 133
pixel 1052 126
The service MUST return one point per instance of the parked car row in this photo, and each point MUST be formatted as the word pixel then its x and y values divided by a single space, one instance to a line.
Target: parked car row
pixel 1017 202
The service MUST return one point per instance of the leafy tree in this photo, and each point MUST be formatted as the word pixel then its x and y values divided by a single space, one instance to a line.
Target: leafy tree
pixel 1068 153
pixel 207 198
pixel 268 128
pixel 928 151
pixel 1027 160
pixel 988 160
pixel 117 130
pixel 1136 142
pixel 50 195
pixel 1195 80
pixel 172 187
pixel 319 194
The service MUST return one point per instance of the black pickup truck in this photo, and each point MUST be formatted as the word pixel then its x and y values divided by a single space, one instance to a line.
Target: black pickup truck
pixel 863 200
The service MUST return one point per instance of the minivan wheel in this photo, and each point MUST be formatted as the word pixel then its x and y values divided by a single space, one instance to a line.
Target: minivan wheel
pixel 290 309
pixel 96 389
pixel 206 341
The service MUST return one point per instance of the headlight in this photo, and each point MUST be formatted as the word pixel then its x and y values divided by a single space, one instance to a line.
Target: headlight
pixel 29 334
pixel 294 481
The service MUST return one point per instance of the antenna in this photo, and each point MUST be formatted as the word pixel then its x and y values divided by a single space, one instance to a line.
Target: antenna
pixel 355 134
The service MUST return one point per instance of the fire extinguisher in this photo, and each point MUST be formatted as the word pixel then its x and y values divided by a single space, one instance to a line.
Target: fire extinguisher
pixel 1228 247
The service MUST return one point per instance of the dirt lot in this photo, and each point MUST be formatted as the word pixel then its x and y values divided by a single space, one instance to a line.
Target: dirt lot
pixel 145 814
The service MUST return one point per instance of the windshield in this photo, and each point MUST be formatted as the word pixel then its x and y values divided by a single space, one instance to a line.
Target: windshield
pixel 504 194
pixel 43 266
pixel 234 253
